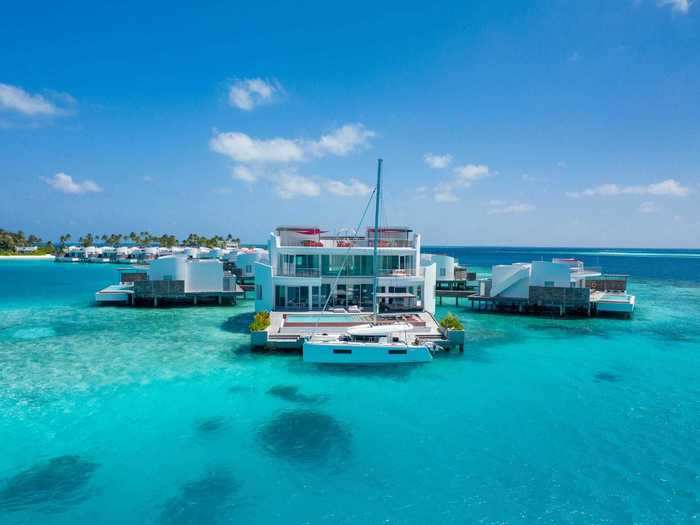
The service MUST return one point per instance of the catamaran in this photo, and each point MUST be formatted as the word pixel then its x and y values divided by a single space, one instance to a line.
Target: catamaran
pixel 378 342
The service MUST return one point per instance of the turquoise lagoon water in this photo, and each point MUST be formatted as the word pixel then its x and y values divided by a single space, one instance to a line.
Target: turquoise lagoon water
pixel 123 415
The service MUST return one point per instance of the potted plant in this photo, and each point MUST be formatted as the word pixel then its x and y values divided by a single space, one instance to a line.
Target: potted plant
pixel 258 329
pixel 453 329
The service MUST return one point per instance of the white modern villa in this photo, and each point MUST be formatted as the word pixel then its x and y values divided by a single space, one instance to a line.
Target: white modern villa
pixel 309 269
pixel 561 283
pixel 244 260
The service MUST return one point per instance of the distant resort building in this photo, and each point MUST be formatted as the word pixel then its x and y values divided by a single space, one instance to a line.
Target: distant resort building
pixel 563 285
pixel 309 269
pixel 243 262
pixel 173 279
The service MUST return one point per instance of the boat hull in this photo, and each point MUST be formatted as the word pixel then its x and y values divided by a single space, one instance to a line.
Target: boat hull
pixel 364 354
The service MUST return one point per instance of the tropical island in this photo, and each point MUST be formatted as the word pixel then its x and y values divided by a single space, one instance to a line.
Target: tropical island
pixel 19 244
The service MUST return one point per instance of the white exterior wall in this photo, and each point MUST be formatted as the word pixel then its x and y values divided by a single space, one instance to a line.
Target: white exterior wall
pixel 558 273
pixel 502 274
pixel 445 264
pixel 429 279
pixel 246 259
pixel 204 275
pixel 169 267
pixel 264 288
pixel 416 254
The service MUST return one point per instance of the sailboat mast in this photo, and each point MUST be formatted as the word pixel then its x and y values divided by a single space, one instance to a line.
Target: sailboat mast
pixel 377 196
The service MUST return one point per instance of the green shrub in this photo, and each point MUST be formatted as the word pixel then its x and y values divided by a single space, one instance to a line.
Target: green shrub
pixel 451 322
pixel 260 322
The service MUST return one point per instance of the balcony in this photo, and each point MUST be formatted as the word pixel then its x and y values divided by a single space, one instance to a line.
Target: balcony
pixel 299 272
pixel 349 243
pixel 316 272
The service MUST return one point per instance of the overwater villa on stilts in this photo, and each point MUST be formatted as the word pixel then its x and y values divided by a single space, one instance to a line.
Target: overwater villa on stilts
pixel 563 286
pixel 353 297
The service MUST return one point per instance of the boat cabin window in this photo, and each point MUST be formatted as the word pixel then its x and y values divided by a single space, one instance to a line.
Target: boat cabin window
pixel 393 352
pixel 342 351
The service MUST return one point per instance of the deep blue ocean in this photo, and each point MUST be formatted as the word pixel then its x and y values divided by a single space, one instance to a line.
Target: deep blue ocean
pixel 138 415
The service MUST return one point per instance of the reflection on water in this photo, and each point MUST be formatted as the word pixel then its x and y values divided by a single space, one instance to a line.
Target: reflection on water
pixel 50 484
pixel 397 372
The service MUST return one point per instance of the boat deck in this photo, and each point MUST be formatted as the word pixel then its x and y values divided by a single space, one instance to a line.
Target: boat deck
pixel 286 333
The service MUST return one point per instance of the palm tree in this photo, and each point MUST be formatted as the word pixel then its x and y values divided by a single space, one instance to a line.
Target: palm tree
pixel 64 239
pixel 88 240
pixel 19 238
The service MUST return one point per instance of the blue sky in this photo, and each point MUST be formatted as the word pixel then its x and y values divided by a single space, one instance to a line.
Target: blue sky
pixel 500 123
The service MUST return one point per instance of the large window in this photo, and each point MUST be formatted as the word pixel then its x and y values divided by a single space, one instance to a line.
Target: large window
pixel 280 295
pixel 389 264
pixel 298 265
pixel 347 265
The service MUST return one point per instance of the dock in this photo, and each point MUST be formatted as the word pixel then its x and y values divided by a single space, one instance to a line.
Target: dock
pixel 144 287
pixel 164 293
pixel 288 331
pixel 562 301
pixel 456 293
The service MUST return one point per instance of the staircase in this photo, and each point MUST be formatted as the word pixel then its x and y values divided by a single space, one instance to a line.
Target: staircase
pixel 515 277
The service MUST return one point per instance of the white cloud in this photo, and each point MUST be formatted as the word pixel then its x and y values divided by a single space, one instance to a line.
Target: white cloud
pixel 445 196
pixel 65 184
pixel 668 187
pixel 437 161
pixel 470 173
pixel 351 189
pixel 648 207
pixel 515 207
pixel 678 6
pixel 341 141
pixel 245 149
pixel 247 93
pixel 16 99
pixel 290 185
pixel 242 148
pixel 444 192
pixel 243 173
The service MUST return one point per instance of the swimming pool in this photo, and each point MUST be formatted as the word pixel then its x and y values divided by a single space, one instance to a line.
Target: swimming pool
pixel 326 318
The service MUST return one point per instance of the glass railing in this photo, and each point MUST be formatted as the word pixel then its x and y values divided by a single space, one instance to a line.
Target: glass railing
pixel 299 272
pixel 341 243
pixel 316 272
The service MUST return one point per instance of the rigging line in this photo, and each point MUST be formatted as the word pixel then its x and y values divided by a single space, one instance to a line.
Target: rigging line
pixel 347 253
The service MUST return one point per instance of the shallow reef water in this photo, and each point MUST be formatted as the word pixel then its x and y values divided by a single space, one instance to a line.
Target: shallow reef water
pixel 141 415
pixel 306 436
pixel 47 485
pixel 292 393
pixel 203 501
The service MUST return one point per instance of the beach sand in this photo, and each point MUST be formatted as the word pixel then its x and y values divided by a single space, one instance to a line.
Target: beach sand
pixel 28 257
